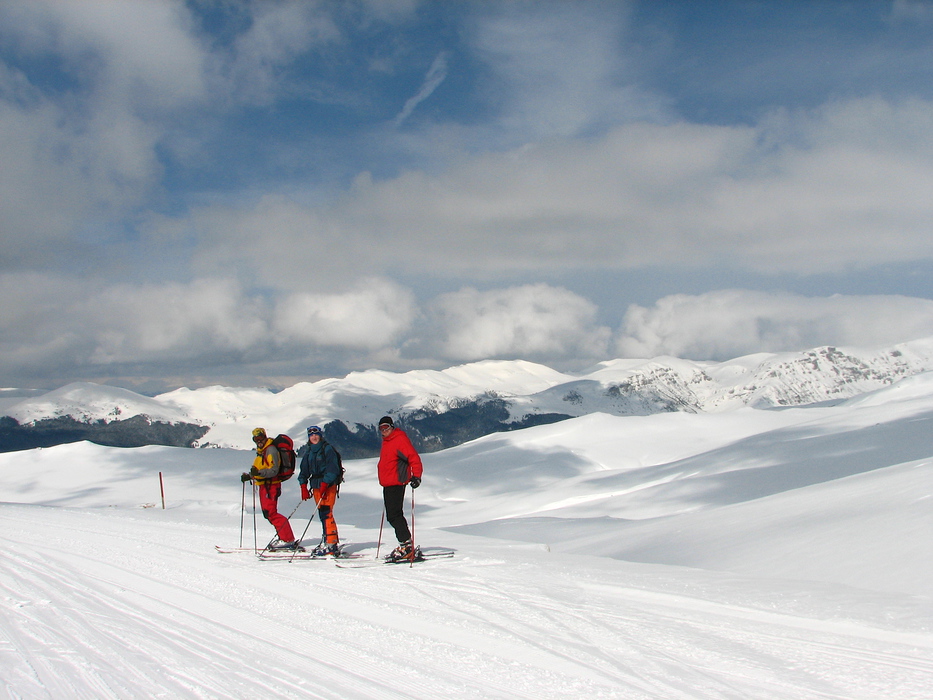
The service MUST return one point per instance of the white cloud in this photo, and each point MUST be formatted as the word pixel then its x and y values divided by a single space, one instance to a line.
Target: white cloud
pixel 839 188
pixel 729 323
pixel 560 69
pixel 142 51
pixel 843 187
pixel 60 321
pixel 77 157
pixel 161 322
pixel 614 203
pixel 518 322
pixel 278 33
pixel 372 316
pixel 81 326
pixel 436 75
pixel 85 328
pixel 274 242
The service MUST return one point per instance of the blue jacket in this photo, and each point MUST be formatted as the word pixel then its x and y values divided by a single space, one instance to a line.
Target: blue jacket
pixel 318 464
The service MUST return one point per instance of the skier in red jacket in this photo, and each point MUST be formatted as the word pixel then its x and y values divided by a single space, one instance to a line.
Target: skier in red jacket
pixel 399 464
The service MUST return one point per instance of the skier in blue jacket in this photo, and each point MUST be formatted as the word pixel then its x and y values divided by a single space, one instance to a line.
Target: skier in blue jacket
pixel 317 477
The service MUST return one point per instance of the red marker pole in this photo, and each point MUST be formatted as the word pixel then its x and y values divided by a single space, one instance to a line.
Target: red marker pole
pixel 162 490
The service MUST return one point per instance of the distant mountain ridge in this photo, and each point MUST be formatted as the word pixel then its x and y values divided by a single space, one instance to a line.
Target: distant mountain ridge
pixel 445 408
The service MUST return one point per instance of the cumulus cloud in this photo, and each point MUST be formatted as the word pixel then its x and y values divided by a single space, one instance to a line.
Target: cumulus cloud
pixel 88 329
pixel 519 322
pixel 52 320
pixel 81 326
pixel 729 323
pixel 370 317
pixel 98 328
pixel 159 322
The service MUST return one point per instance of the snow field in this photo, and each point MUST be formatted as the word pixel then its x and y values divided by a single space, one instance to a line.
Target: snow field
pixel 744 555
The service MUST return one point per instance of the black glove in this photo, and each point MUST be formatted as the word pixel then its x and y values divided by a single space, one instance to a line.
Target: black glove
pixel 244 477
pixel 253 471
pixel 415 482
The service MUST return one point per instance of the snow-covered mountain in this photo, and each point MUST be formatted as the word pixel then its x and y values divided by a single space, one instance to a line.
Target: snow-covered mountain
pixel 446 408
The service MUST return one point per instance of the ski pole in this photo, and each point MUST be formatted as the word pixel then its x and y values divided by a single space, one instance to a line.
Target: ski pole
pixel 242 513
pixel 382 521
pixel 412 529
pixel 298 541
pixel 255 535
pixel 301 539
pixel 295 509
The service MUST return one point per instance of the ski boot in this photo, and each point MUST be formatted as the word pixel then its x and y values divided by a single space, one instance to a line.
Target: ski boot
pixel 280 546
pixel 324 549
pixel 406 551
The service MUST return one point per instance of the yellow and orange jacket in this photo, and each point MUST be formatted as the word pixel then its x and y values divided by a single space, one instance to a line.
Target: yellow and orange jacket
pixel 267 462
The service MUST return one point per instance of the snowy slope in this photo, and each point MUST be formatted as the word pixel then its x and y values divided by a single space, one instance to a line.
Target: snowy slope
pixel 726 491
pixel 747 554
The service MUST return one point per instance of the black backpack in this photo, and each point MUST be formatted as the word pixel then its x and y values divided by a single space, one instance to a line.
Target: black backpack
pixel 341 473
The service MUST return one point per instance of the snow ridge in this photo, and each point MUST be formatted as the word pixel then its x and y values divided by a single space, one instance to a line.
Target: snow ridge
pixel 527 390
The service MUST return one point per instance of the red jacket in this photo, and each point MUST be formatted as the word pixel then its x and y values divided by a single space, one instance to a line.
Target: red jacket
pixel 398 461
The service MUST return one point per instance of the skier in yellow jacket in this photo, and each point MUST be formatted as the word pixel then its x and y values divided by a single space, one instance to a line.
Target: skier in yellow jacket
pixel 264 474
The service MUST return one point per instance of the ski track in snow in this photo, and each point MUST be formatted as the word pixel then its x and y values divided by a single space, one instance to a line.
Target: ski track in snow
pixel 110 605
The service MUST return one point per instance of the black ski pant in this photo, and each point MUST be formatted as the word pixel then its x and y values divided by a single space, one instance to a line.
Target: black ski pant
pixel 394 498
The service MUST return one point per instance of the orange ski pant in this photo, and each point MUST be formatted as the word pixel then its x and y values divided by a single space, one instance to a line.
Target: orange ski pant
pixel 325 496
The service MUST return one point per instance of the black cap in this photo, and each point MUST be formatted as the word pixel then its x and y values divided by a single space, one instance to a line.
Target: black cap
pixel 386 420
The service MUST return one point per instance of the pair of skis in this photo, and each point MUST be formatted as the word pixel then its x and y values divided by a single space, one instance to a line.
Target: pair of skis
pixel 341 559
pixel 268 553
pixel 423 556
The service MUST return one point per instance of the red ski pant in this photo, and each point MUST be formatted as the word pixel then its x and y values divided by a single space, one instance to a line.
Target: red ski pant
pixel 269 502
pixel 325 496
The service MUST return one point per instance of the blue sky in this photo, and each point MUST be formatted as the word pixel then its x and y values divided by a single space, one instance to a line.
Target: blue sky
pixel 259 193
